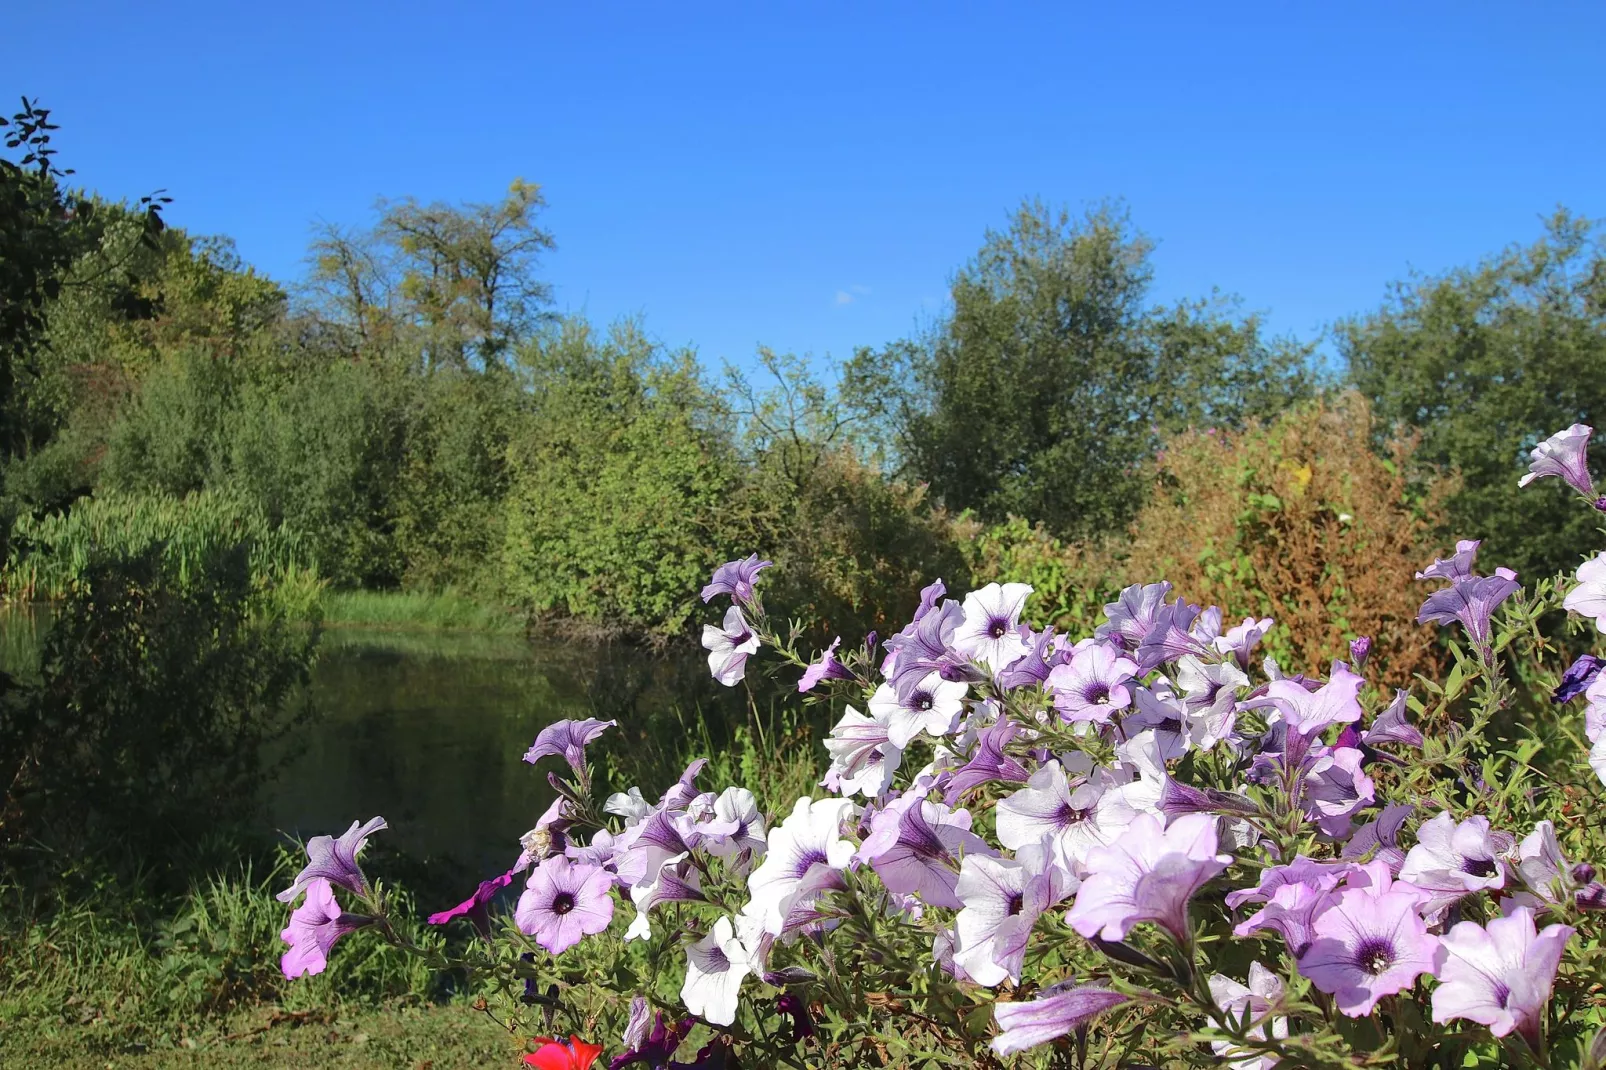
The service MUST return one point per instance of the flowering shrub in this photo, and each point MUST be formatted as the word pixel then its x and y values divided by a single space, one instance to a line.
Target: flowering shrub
pixel 1147 846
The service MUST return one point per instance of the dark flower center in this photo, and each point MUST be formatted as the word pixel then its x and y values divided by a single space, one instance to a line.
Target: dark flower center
pixel 1502 994
pixel 806 859
pixel 1170 724
pixel 998 629
pixel 718 960
pixel 1479 867
pixel 1017 903
pixel 921 700
pixel 563 902
pixel 1375 955
pixel 1097 692
pixel 1070 815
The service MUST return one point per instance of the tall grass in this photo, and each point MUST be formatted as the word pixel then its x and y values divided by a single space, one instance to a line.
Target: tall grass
pixel 449 610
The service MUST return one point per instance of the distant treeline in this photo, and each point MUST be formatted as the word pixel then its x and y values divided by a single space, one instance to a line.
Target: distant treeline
pixel 411 415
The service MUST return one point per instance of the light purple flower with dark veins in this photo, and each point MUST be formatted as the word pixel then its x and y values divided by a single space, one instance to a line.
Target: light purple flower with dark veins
pixel 1148 874
pixel 807 853
pixel 1336 787
pixel 1241 639
pixel 988 761
pixel 567 740
pixel 1456 566
pixel 863 756
pixel 1588 599
pixel 1302 870
pixel 1290 911
pixel 1383 835
pixel 1043 652
pixel 1171 636
pixel 641 849
pixel 1002 899
pixel 1093 687
pixel 1470 600
pixel 677 881
pixel 1157 709
pixel 599 852
pixel 335 860
pixel 629 805
pixel 1501 975
pixel 733 825
pixel 1253 1001
pixel 729 647
pixel 930 595
pixel 1055 1012
pixel 1051 807
pixel 1308 712
pixel 314 928
pixel 915 848
pixel 680 794
pixel 563 903
pixel 1390 726
pixel 1210 691
pixel 1565 455
pixel 826 668
pixel 990 633
pixel 931 705
pixel 1576 680
pixel 1369 942
pixel 1132 615
pixel 1543 869
pixel 926 647
pixel 735 578
pixel 1453 860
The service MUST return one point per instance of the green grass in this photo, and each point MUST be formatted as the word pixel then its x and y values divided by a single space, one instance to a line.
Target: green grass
pixel 443 611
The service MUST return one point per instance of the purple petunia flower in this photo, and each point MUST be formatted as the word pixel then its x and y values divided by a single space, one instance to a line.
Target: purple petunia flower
pixel 990 633
pixel 1002 899
pixel 641 849
pixel 1336 787
pixel 564 902
pixel 1171 637
pixel 806 855
pixel 1588 599
pixel 1148 874
pixel 1291 911
pixel 314 928
pixel 1390 726
pixel 732 825
pixel 915 848
pixel 1456 566
pixel 1251 1003
pixel 476 908
pixel 1471 600
pixel 988 761
pixel 1565 455
pixel 1054 1013
pixel 1544 870
pixel 863 756
pixel 729 647
pixel 1308 712
pixel 926 646
pixel 1360 649
pixel 735 578
pixel 1500 975
pixel 1453 860
pixel 716 965
pixel 1093 686
pixel 826 668
pixel 1133 614
pixel 567 740
pixel 654 1048
pixel 1066 814
pixel 1576 680
pixel 1043 652
pixel 1241 639
pixel 930 704
pixel 676 881
pixel 1369 943
pixel 1383 834
pixel 335 861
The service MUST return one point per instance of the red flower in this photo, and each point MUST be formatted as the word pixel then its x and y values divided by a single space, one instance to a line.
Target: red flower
pixel 571 1054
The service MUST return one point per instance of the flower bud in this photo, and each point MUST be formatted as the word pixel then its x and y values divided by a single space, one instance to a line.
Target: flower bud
pixel 1359 649
pixel 1583 873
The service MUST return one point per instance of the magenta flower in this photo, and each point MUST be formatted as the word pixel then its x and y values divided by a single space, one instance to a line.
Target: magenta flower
pixel 1369 943
pixel 1093 687
pixel 314 928
pixel 564 902
pixel 729 647
pixel 988 761
pixel 1133 614
pixel 335 861
pixel 1054 1013
pixel 567 740
pixel 915 848
pixel 735 578
pixel 1565 455
pixel 476 908
pixel 1500 976
pixel 1148 874
pixel 1453 860
pixel 826 668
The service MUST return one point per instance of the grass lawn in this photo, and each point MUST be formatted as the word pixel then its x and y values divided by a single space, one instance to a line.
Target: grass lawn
pixel 410 1038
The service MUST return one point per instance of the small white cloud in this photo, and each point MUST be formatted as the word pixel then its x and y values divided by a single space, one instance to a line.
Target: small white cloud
pixel 844 298
pixel 851 294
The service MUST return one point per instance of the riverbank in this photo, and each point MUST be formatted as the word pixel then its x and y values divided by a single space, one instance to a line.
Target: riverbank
pixel 448 610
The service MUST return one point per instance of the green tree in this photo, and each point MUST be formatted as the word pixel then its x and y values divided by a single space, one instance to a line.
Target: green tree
pixel 1053 380
pixel 1485 362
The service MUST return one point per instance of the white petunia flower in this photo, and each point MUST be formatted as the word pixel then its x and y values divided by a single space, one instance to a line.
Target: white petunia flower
pixel 990 632
pixel 716 966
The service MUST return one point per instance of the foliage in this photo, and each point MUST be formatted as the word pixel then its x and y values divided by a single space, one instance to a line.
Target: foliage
pixel 1483 361
pixel 448 610
pixel 1049 384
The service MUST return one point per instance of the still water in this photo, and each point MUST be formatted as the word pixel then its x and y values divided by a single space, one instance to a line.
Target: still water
pixel 429 731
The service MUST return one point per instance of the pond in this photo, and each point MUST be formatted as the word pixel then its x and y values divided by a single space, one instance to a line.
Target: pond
pixel 429 730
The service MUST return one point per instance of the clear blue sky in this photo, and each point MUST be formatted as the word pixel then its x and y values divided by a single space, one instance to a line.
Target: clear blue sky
pixel 808 176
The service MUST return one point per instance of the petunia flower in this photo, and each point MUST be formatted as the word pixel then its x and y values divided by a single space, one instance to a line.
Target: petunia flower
pixel 1588 599
pixel 1290 910
pixel 1390 726
pixel 1240 640
pixel 826 668
pixel 567 740
pixel 476 908
pixel 1360 648
pixel 988 761
pixel 684 790
pixel 1252 1002
pixel 716 965
pixel 1565 455
pixel 314 928
pixel 1308 712
pixel 1500 975
pixel 676 881
pixel 1001 900
pixel 1576 680
pixel 990 632
pixel 807 852
pixel 1471 600
pixel 733 825
pixel 1171 636
pixel 1542 868
pixel 1369 943
pixel 335 861
pixel 641 849
pixel 729 647
pixel 1455 566
pixel 1148 874
pixel 863 756
pixel 1093 686
pixel 735 578
pixel 930 704
pixel 1132 615
pixel 571 1054
pixel 1453 860
pixel 1336 787
pixel 1054 1013
pixel 925 646
pixel 655 1048
pixel 915 847
pixel 1050 807
pixel 1043 652
pixel 564 902
pixel 1380 838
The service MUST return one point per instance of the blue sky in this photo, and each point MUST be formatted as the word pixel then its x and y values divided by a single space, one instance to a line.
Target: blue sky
pixel 809 176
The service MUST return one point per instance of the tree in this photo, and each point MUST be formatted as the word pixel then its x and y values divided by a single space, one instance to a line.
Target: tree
pixel 1488 361
pixel 1053 380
